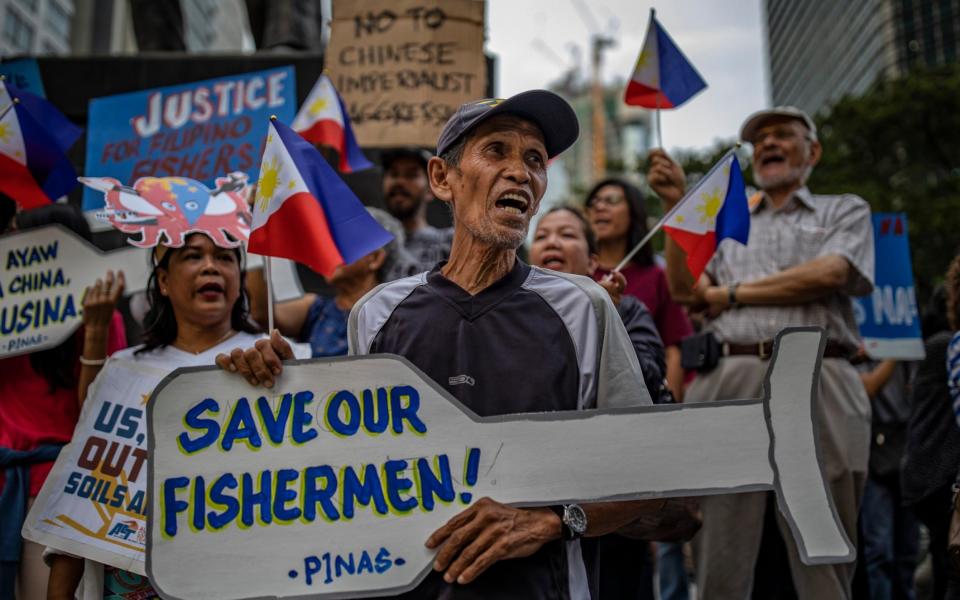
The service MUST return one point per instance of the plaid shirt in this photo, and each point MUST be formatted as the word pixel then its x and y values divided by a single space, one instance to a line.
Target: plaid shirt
pixel 808 226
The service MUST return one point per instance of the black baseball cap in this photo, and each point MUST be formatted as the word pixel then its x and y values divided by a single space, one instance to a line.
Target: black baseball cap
pixel 551 113
pixel 412 152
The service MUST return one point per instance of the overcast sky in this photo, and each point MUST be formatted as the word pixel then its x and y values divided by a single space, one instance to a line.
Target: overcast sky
pixel 724 40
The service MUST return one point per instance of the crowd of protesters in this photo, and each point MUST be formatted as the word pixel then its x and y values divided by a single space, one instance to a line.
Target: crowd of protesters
pixel 889 431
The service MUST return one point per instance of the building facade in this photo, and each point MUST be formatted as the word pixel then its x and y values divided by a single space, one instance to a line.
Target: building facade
pixel 821 50
pixel 35 27
pixel 627 136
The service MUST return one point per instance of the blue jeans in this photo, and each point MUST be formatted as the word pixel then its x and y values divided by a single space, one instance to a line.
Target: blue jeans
pixel 674 583
pixel 889 541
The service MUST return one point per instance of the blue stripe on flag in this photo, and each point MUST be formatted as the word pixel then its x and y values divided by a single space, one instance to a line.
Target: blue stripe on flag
pixel 46 161
pixel 57 125
pixel 679 81
pixel 355 232
pixel 733 220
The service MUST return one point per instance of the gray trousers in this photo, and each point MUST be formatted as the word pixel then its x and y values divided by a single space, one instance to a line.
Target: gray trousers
pixel 727 545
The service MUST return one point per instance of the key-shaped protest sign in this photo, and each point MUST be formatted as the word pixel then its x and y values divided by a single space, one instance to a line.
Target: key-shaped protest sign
pixel 330 485
pixel 42 279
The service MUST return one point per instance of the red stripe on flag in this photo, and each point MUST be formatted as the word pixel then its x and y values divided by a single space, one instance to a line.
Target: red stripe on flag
pixel 17 182
pixel 326 132
pixel 699 247
pixel 645 96
pixel 298 230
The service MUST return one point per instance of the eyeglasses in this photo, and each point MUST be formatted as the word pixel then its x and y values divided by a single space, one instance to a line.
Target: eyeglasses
pixel 781 134
pixel 609 200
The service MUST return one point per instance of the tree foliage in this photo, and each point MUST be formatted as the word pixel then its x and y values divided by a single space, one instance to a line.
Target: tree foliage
pixel 898 147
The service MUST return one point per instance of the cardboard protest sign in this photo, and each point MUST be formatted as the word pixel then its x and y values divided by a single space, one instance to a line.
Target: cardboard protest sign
pixel 199 130
pixel 403 67
pixel 42 279
pixel 889 319
pixel 331 483
pixel 24 73
pixel 93 503
pixel 167 209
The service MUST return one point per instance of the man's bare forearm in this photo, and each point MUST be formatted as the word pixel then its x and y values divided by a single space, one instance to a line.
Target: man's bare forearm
pixel 677 520
pixel 644 519
pixel 873 381
pixel 802 283
pixel 608 517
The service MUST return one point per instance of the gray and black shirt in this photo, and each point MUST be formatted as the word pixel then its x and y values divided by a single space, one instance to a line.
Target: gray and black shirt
pixel 534 341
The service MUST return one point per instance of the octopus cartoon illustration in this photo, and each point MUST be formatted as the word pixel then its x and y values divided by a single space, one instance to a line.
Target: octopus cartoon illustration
pixel 166 209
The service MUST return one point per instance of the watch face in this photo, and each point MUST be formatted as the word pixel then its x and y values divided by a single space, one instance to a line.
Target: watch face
pixel 575 518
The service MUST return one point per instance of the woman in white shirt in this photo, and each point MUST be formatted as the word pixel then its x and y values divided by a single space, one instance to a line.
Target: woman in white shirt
pixel 198 309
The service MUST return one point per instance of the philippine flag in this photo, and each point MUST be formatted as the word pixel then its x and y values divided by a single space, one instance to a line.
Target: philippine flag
pixel 714 210
pixel 34 168
pixel 304 211
pixel 663 77
pixel 323 120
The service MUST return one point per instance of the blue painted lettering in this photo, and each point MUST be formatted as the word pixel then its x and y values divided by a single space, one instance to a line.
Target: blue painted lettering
pixel 250 498
pixel 435 484
pixel 241 427
pixel 300 430
pixel 408 412
pixel 171 506
pixel 219 498
pixel 343 401
pixel 192 420
pixel 357 490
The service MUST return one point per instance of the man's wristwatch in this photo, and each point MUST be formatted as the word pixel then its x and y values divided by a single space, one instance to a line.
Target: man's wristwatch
pixel 732 294
pixel 573 521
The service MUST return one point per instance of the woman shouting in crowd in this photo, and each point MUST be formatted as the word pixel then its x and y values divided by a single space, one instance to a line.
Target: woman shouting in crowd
pixel 198 309
pixel 564 242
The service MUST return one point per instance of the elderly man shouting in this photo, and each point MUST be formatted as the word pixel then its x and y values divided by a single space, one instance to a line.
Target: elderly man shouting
pixel 806 256
pixel 503 337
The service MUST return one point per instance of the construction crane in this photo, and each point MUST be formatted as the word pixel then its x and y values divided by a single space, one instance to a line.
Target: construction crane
pixel 599 42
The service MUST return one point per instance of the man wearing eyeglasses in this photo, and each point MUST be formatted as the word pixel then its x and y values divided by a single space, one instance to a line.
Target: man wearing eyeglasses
pixel 806 256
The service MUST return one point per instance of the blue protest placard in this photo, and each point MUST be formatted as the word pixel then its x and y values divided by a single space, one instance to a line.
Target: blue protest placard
pixel 201 130
pixel 889 320
pixel 24 74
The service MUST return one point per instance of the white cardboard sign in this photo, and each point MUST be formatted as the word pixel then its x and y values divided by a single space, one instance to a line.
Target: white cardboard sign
pixel 93 503
pixel 329 485
pixel 42 278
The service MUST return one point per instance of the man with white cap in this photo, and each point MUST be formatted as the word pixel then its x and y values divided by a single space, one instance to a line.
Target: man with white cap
pixel 806 256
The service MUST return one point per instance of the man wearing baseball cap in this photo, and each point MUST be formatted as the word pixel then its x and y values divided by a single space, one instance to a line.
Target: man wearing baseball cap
pixel 504 337
pixel 806 256
pixel 406 192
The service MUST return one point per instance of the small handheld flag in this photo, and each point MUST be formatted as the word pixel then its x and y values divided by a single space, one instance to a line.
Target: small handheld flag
pixel 663 77
pixel 304 211
pixel 323 120
pixel 34 168
pixel 42 111
pixel 714 210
